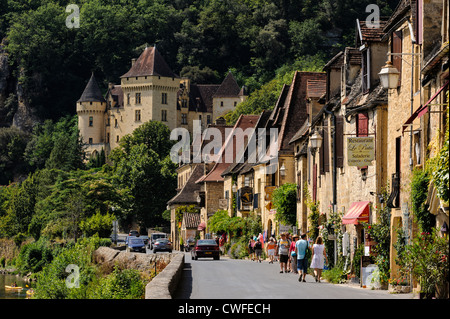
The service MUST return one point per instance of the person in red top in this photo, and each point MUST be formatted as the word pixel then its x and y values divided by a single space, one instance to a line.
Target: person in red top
pixel 292 254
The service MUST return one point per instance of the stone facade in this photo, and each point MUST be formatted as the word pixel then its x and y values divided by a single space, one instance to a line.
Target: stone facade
pixel 150 91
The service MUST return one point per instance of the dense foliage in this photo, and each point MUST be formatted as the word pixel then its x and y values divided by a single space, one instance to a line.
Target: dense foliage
pixel 284 200
pixel 254 37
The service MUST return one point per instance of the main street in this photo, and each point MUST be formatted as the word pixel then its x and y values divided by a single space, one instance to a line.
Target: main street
pixel 244 279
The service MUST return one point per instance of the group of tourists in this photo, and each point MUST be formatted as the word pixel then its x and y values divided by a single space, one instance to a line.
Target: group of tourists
pixel 292 253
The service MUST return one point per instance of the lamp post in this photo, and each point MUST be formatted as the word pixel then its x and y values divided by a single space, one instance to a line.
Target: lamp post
pixel 316 141
pixel 389 76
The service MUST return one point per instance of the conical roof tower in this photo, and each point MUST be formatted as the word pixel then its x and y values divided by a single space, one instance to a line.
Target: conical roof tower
pixel 92 92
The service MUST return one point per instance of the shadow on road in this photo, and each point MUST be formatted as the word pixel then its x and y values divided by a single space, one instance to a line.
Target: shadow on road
pixel 184 288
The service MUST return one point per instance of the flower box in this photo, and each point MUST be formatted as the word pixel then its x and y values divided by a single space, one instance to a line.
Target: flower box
pixel 399 289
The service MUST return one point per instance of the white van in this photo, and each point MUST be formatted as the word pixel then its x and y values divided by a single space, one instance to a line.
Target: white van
pixel 154 237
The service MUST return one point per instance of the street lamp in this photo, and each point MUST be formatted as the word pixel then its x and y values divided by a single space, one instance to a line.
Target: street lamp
pixel 283 170
pixel 233 188
pixel 389 76
pixel 316 141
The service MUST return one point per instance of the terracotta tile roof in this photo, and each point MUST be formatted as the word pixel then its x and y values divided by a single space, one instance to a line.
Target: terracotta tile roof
pixel 191 220
pixel 372 34
pixel 353 56
pixel 150 62
pixel 188 194
pixel 291 115
pixel 215 175
pixel 335 62
pixel 228 88
pixel 92 92
pixel 316 88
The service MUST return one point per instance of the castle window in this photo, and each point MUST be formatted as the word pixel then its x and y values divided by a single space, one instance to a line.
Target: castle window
pixel 115 122
pixel 138 98
pixel 91 121
pixel 164 115
pixel 235 103
pixel 117 138
pixel 137 115
pixel 183 118
pixel 107 137
pixel 221 103
pixel 164 98
pixel 90 140
pixel 208 119
pixel 128 98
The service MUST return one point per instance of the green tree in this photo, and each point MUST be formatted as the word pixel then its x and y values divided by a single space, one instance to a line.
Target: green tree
pixel 284 200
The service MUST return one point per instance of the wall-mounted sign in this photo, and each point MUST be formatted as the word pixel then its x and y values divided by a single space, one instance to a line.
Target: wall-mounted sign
pixel 246 197
pixel 360 151
pixel 268 190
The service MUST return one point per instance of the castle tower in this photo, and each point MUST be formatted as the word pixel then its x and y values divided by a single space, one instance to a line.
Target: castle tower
pixel 91 109
pixel 149 93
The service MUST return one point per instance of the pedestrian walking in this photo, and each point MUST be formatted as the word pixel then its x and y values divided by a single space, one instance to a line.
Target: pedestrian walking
pixel 283 252
pixel 301 247
pixel 293 254
pixel 271 246
pixel 318 256
pixel 251 244
pixel 258 250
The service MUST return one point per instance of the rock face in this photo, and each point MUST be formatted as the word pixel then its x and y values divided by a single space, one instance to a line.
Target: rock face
pixel 14 107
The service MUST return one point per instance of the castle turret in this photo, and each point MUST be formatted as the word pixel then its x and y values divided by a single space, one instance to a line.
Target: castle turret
pixel 91 108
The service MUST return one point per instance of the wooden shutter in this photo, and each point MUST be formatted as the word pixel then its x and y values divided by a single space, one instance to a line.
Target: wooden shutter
pixel 326 148
pixel 314 182
pixel 339 141
pixel 362 124
pixel 419 22
pixel 362 128
pixel 396 47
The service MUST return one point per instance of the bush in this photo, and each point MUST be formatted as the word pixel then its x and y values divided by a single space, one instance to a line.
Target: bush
pixel 121 284
pixel 34 256
pixel 334 275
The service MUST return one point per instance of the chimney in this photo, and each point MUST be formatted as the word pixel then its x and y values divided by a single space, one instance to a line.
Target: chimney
pixel 110 85
pixel 133 61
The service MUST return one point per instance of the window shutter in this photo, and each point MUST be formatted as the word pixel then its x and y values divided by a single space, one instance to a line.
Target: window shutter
pixel 396 47
pixel 326 148
pixel 339 141
pixel 362 124
pixel 314 183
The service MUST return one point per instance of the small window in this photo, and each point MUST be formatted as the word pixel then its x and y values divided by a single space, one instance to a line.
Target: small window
pixel 91 121
pixel 128 98
pixel 235 103
pixel 164 98
pixel 183 118
pixel 107 137
pixel 117 139
pixel 138 98
pixel 90 140
pixel 184 102
pixel 164 115
pixel 221 103
pixel 208 119
pixel 137 115
pixel 115 122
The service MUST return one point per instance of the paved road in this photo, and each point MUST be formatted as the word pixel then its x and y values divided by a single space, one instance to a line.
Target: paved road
pixel 243 279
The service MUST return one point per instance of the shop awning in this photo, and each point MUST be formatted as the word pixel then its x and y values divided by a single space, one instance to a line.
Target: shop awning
pixel 422 109
pixel 358 212
pixel 201 226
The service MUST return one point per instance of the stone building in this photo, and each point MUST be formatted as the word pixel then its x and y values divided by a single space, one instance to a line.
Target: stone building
pixel 150 91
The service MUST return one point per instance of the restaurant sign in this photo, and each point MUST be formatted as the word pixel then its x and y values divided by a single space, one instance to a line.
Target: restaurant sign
pixel 360 151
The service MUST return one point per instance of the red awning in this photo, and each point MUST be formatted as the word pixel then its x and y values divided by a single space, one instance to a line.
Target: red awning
pixel 358 212
pixel 201 226
pixel 422 109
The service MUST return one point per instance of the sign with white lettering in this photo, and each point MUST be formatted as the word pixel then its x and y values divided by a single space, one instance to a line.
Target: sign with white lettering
pixel 360 151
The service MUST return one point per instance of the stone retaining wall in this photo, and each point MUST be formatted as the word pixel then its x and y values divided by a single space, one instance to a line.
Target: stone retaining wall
pixel 163 285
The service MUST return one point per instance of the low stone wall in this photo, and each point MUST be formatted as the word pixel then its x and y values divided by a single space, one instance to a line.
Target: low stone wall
pixel 163 285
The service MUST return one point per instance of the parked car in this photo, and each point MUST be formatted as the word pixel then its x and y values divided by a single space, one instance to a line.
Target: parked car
pixel 145 239
pixel 162 244
pixel 154 237
pixel 205 248
pixel 135 244
pixel 133 233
